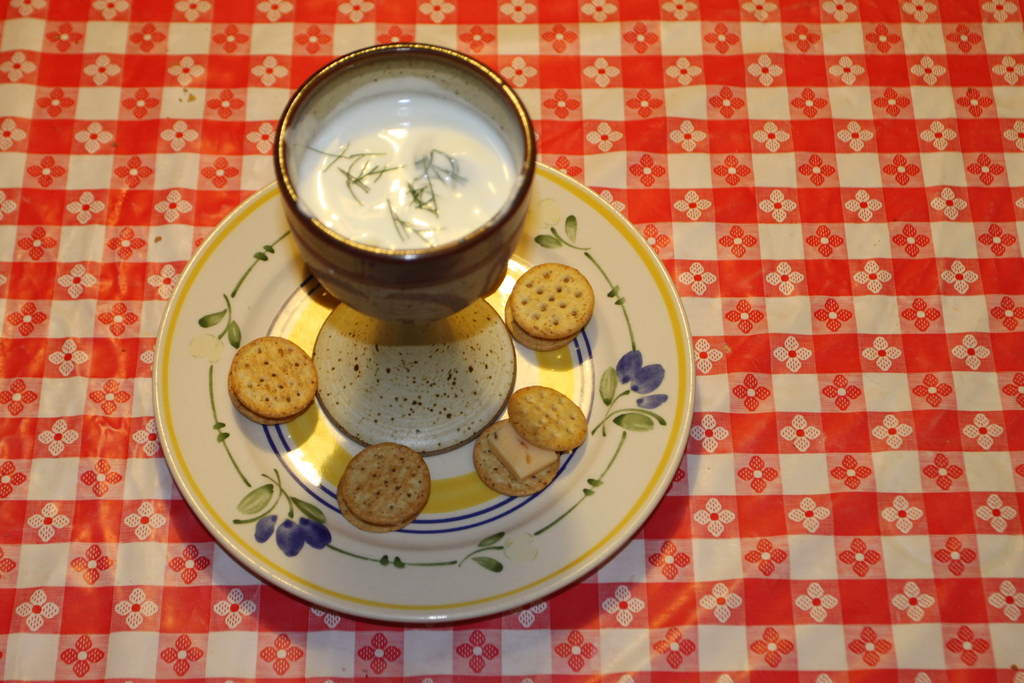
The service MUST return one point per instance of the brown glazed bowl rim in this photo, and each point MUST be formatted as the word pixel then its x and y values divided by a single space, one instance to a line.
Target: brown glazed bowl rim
pixel 362 56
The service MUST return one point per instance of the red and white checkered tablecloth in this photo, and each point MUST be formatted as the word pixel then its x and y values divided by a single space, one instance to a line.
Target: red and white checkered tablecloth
pixel 835 188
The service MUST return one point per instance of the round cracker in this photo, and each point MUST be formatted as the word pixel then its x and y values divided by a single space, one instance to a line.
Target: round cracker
pixel 498 478
pixel 386 484
pixel 258 419
pixel 552 301
pixel 366 526
pixel 273 379
pixel 547 418
pixel 532 343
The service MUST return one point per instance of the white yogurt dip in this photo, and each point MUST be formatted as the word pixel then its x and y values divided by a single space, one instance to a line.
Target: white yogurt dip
pixel 405 171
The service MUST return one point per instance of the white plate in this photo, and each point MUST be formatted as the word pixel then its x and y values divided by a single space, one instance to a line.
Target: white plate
pixel 472 552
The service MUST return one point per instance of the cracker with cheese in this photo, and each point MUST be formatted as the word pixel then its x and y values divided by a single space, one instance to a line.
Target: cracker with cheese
pixel 510 465
pixel 520 456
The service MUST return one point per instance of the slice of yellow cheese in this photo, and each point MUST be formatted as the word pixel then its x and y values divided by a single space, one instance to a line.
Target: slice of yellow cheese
pixel 522 458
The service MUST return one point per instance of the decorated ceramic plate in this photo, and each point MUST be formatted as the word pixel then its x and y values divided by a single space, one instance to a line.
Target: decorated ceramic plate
pixel 268 494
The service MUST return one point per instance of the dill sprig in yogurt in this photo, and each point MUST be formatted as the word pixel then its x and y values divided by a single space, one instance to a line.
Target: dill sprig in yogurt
pixel 401 172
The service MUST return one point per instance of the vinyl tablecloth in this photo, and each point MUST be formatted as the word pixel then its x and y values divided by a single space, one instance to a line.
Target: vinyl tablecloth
pixel 835 189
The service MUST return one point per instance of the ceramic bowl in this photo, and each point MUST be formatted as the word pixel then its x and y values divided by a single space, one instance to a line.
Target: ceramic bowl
pixel 418 283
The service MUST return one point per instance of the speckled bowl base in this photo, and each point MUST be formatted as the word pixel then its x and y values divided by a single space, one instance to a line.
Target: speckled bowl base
pixel 430 386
